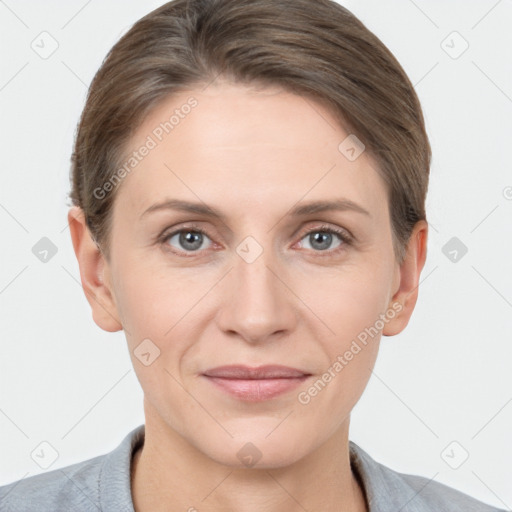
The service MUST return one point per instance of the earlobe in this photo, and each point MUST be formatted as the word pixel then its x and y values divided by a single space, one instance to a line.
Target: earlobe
pixel 409 275
pixel 92 266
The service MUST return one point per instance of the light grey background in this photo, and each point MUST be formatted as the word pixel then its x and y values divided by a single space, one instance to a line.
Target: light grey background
pixel 446 378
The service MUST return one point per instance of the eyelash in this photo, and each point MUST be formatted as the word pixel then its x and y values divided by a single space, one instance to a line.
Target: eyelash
pixel 345 237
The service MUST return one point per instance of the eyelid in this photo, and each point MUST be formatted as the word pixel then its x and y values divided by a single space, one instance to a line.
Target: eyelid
pixel 347 240
pixel 344 234
pixel 190 226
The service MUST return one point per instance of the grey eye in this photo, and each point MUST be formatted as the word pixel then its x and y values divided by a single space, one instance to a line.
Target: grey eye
pixel 188 240
pixel 321 240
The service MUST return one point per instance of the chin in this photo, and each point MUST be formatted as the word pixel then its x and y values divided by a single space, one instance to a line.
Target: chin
pixel 256 452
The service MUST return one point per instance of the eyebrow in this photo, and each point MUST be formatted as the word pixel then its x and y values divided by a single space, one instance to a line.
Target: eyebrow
pixel 297 211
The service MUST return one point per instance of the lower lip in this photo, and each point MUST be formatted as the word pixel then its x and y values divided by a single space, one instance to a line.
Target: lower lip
pixel 256 390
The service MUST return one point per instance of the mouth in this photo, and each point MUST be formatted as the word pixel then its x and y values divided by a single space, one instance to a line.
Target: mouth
pixel 256 384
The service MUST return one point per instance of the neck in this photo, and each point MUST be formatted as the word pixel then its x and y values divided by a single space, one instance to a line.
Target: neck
pixel 169 474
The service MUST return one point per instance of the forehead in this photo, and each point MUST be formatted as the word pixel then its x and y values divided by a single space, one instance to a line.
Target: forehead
pixel 264 147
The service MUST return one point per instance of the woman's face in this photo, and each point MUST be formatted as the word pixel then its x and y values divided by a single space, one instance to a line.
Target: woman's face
pixel 265 284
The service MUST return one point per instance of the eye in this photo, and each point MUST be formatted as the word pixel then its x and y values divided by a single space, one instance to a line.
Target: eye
pixel 188 239
pixel 193 239
pixel 320 239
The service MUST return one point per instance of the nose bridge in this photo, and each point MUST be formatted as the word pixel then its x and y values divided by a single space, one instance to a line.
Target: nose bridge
pixel 253 276
pixel 253 266
pixel 259 302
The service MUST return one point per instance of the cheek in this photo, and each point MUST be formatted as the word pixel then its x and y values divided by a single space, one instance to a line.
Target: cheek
pixel 354 346
pixel 346 300
pixel 352 311
pixel 350 304
pixel 164 306
pixel 359 308
pixel 146 302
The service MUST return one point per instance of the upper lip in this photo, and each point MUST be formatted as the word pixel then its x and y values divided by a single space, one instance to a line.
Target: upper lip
pixel 259 372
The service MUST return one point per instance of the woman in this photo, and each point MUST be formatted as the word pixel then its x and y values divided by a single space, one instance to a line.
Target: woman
pixel 248 187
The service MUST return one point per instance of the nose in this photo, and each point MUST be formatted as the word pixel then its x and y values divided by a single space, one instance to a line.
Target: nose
pixel 258 303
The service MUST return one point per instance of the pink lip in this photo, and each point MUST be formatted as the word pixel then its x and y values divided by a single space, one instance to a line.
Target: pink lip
pixel 256 384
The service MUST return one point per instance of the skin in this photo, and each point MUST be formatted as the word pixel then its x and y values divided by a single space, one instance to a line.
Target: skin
pixel 252 154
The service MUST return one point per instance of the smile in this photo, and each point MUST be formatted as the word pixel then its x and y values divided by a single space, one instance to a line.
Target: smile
pixel 255 384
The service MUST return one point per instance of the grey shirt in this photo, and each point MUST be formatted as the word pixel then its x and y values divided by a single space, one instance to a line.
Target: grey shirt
pixel 103 484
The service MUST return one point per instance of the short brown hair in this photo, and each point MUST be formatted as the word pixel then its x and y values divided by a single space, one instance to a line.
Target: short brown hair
pixel 314 48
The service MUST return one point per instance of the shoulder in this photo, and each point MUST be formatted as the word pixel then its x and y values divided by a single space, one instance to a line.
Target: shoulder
pixel 438 496
pixel 99 483
pixel 388 490
pixel 75 486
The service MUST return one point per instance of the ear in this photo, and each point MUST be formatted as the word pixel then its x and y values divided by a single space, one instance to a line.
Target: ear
pixel 94 273
pixel 408 275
